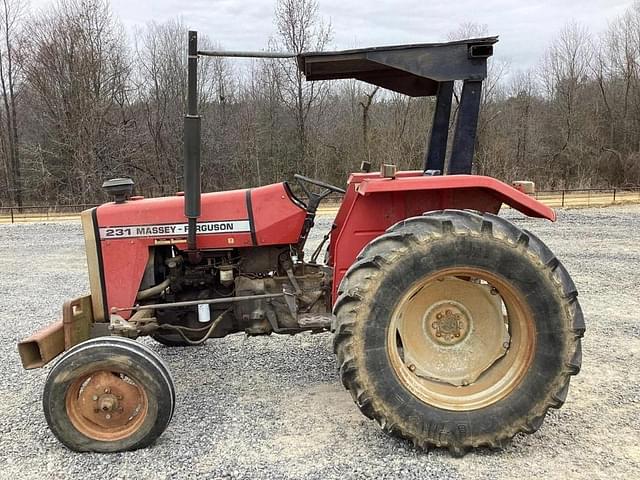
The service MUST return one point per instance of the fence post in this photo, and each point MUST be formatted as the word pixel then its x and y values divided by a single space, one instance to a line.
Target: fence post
pixel 563 197
pixel 11 210
pixel 614 195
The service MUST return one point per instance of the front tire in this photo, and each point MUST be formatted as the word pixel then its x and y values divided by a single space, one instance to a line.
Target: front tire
pixel 108 394
pixel 457 330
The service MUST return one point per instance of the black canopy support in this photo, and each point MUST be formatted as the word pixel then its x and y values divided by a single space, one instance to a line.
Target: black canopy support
pixel 464 139
pixel 437 148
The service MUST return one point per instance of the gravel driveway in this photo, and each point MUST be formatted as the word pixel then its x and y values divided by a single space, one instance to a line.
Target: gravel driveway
pixel 273 407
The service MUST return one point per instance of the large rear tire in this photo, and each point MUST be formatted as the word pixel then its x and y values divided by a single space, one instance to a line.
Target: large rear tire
pixel 108 394
pixel 457 329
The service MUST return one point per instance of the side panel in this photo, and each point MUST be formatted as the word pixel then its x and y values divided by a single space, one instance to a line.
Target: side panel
pixel 373 204
pixel 124 263
pixel 234 219
pixel 224 219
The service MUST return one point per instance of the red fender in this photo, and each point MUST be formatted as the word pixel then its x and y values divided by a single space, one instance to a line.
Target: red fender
pixel 373 203
pixel 506 193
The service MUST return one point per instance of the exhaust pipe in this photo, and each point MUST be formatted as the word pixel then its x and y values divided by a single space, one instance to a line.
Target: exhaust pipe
pixel 192 144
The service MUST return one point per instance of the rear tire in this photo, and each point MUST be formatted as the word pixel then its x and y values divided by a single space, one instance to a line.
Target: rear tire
pixel 108 394
pixel 428 402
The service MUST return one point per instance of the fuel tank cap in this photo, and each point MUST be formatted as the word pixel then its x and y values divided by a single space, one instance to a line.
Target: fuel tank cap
pixel 119 188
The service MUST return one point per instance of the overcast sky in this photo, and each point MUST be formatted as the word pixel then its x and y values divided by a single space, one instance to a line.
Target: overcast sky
pixel 525 26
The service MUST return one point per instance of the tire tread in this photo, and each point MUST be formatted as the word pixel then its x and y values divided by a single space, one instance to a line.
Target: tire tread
pixel 419 230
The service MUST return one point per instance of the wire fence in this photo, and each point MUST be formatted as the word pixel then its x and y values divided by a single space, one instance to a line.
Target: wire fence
pixel 588 197
pixel 591 197
pixel 32 213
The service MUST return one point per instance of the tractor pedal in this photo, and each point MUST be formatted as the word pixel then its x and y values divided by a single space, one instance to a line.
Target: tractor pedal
pixel 314 321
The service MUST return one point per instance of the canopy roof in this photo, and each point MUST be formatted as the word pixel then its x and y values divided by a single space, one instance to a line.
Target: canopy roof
pixel 414 69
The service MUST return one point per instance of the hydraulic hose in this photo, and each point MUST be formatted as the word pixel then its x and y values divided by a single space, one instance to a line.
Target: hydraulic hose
pixel 153 291
pixel 209 329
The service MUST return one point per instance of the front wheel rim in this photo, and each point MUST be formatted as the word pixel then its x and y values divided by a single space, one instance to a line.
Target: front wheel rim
pixel 106 405
pixel 461 339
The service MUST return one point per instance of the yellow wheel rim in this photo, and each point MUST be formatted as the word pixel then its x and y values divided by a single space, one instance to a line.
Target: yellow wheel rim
pixel 461 339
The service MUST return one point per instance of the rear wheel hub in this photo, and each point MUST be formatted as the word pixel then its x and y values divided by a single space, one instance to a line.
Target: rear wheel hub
pixel 462 339
pixel 447 322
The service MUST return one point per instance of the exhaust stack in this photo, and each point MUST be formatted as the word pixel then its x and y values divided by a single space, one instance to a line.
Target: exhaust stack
pixel 192 144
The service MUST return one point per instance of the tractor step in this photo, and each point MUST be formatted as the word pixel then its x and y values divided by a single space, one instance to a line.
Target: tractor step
pixel 315 321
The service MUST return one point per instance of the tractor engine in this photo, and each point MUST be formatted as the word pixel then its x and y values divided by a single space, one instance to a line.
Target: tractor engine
pixel 170 277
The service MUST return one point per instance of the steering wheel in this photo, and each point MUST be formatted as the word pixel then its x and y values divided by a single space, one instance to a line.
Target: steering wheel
pixel 316 198
pixel 301 179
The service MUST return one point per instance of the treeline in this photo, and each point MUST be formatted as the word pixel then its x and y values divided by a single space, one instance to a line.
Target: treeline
pixel 82 102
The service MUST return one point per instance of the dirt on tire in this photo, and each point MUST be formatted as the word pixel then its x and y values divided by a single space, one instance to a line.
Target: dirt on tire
pixel 416 248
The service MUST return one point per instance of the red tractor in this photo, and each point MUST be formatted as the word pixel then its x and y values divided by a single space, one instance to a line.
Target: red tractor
pixel 452 326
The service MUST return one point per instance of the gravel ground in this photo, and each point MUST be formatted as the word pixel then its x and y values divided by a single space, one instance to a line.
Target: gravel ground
pixel 273 407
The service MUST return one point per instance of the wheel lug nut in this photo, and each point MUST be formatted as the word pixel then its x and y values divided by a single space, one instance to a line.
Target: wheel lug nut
pixel 412 367
pixel 108 416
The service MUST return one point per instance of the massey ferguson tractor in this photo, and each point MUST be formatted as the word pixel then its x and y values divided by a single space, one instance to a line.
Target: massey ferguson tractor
pixel 452 326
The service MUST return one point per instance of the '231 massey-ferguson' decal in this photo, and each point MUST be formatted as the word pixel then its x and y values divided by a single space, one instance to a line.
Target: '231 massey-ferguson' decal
pixel 174 229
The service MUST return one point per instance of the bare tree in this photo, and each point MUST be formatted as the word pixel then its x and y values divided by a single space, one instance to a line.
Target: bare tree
pixel 300 29
pixel 160 84
pixel 366 106
pixel 80 105
pixel 565 74
pixel 75 73
pixel 11 15
pixel 159 78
